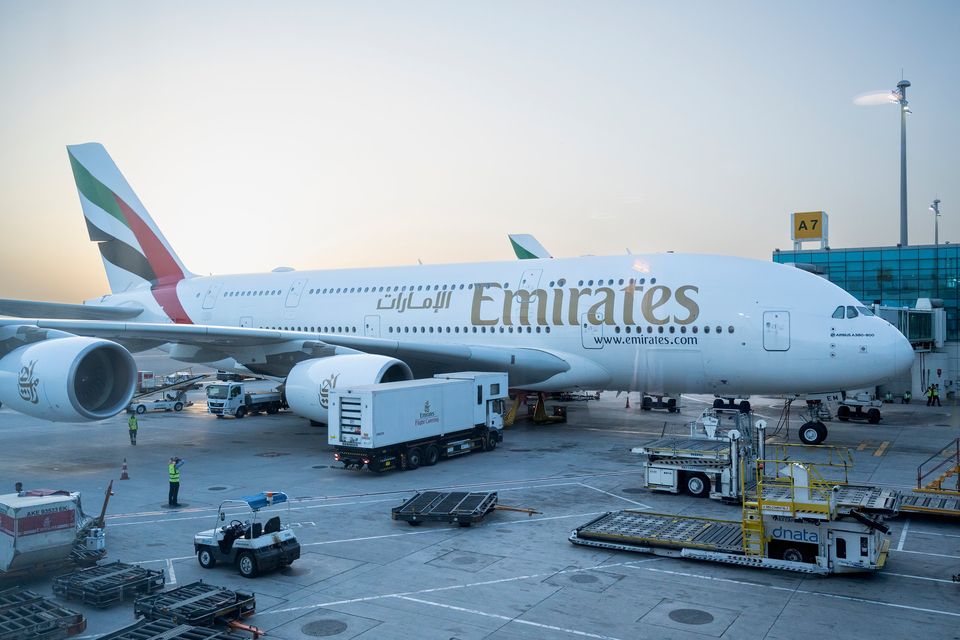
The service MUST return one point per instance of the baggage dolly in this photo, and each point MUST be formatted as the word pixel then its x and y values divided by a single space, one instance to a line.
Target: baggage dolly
pixel 108 584
pixel 197 604
pixel 461 507
pixel 26 615
pixel 167 630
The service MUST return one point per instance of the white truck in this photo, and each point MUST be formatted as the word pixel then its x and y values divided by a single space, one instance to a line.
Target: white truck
pixel 233 399
pixel 417 422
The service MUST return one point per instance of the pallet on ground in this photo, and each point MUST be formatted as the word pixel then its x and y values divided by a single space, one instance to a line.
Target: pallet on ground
pixel 462 507
pixel 198 603
pixel 166 630
pixel 108 584
pixel 26 615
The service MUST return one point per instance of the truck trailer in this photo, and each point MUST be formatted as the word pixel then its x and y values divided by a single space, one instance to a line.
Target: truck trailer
pixel 416 422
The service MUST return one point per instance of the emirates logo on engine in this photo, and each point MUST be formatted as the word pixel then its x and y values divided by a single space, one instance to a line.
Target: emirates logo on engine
pixel 325 387
pixel 27 383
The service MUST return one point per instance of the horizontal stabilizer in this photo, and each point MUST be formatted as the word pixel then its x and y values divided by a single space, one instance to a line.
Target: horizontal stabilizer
pixel 60 311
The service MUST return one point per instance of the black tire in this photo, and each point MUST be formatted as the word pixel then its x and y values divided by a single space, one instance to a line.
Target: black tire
pixel 219 416
pixel 206 559
pixel 247 565
pixel 178 406
pixel 414 523
pixel 873 416
pixel 375 466
pixel 744 406
pixel 812 433
pixel 273 409
pixel 489 442
pixel 141 408
pixel 414 458
pixel 718 403
pixel 646 404
pixel 431 454
pixel 697 485
pixel 241 411
pixel 843 413
pixel 792 554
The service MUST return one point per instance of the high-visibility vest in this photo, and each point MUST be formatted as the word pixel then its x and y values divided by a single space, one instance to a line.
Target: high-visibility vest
pixel 174 472
pixel 936 392
pixel 132 423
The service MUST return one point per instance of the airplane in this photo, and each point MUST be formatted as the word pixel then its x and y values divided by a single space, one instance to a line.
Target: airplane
pixel 670 322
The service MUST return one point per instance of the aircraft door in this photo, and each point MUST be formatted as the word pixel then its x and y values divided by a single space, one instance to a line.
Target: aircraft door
pixel 776 330
pixel 530 279
pixel 591 335
pixel 293 293
pixel 371 326
pixel 210 298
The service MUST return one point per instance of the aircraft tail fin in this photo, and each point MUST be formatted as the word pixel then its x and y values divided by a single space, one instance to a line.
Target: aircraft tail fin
pixel 527 247
pixel 133 248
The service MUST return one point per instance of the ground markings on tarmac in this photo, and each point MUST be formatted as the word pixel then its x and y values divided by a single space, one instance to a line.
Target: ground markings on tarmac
pixel 879 451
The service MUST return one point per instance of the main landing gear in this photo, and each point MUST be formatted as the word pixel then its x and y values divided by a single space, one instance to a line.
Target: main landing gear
pixel 731 403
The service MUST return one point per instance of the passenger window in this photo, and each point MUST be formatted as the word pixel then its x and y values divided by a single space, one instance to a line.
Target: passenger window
pixel 852 312
pixel 841 547
pixel 838 313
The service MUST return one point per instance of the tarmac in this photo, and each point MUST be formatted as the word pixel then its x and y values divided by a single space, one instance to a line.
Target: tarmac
pixel 363 575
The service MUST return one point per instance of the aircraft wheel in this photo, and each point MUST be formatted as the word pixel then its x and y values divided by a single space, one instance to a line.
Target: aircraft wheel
pixel 843 413
pixel 873 416
pixel 813 433
pixel 744 406
pixel 247 565
pixel 206 559
pixel 718 403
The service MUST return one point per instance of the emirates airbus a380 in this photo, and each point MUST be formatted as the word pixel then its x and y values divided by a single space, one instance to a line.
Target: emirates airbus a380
pixel 664 323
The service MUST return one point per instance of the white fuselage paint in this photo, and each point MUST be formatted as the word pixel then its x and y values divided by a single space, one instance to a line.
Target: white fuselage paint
pixel 693 323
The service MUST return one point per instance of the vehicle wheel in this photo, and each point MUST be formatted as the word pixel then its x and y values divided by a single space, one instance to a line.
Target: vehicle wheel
pixel 414 523
pixel 141 408
pixel 219 416
pixel 744 406
pixel 812 433
pixel 247 565
pixel 206 559
pixel 241 411
pixel 792 554
pixel 718 403
pixel 646 404
pixel 178 406
pixel 414 458
pixel 873 416
pixel 374 465
pixel 431 455
pixel 493 440
pixel 273 409
pixel 697 485
pixel 843 413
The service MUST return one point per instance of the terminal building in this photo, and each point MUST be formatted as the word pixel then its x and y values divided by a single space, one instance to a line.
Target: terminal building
pixel 914 288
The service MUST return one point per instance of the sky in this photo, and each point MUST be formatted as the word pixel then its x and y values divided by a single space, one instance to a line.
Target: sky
pixel 342 134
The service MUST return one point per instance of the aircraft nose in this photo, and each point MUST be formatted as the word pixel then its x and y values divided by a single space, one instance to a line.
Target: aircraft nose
pixel 903 354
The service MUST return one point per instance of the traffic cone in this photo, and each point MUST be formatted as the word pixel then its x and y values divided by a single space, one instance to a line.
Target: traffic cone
pixel 123 471
pixel 628 401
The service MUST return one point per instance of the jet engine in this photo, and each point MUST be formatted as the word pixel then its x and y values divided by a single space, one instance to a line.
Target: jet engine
pixel 309 383
pixel 71 379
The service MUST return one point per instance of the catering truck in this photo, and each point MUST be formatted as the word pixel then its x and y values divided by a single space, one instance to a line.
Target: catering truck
pixel 416 422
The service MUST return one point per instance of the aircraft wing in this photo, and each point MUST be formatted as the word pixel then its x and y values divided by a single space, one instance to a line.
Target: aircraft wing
pixel 275 352
pixel 32 309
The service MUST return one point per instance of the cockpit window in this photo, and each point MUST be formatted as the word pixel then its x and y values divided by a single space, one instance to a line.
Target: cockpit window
pixel 865 311
pixel 838 313
pixel 852 312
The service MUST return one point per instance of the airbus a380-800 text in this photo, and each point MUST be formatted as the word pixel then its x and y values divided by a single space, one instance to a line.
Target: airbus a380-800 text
pixel 664 323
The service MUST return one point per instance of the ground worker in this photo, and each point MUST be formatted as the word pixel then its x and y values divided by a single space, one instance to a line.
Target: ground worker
pixel 132 426
pixel 929 394
pixel 907 396
pixel 936 395
pixel 173 469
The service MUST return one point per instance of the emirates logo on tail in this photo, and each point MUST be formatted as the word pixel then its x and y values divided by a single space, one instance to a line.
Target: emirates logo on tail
pixel 27 383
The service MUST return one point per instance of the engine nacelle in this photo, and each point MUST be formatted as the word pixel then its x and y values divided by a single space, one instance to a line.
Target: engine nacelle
pixel 72 379
pixel 309 383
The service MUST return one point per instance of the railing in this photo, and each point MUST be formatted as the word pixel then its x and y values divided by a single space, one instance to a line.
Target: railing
pixel 940 467
pixel 837 458
pixel 815 497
